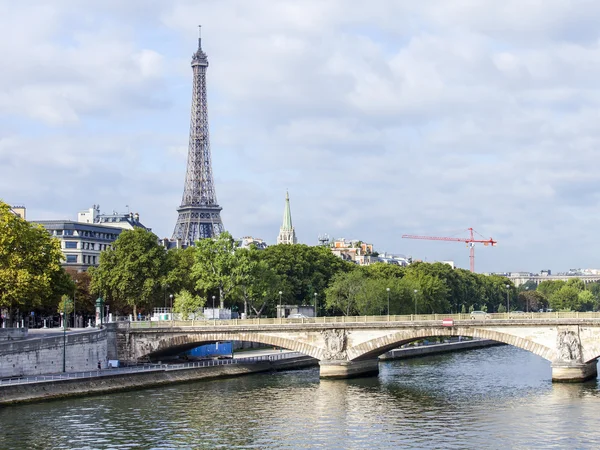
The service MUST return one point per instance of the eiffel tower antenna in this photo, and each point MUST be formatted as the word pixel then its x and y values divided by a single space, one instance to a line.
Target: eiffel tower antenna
pixel 199 213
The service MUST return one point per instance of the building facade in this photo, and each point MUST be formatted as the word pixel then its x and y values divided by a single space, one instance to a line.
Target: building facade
pixel 83 240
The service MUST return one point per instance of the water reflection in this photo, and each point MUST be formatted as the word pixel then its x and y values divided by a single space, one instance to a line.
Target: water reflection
pixel 500 397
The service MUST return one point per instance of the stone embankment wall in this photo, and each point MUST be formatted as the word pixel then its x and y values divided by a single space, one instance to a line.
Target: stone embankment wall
pixel 12 334
pixel 113 382
pixel 45 354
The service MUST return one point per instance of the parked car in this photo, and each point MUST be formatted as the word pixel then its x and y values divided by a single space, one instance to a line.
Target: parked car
pixel 297 316
pixel 517 314
pixel 480 315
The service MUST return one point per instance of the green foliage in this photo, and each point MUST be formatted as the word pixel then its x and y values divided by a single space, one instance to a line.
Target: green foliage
pixel 565 299
pixel 501 308
pixel 178 271
pixel 257 282
pixel 130 272
pixel 214 265
pixel 586 301
pixel 532 301
pixel 65 305
pixel 547 288
pixel 303 270
pixel 577 283
pixel 29 263
pixel 187 304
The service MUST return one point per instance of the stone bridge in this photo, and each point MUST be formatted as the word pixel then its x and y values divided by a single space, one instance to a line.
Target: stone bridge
pixel 350 349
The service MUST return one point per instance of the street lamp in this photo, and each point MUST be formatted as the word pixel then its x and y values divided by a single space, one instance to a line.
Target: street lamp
pixel 315 304
pixel 416 290
pixel 388 292
pixel 64 314
pixel 526 299
pixel 74 310
pixel 279 312
pixel 213 308
pixel 507 299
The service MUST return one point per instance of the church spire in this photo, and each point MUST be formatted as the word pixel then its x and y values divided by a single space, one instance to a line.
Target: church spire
pixel 287 234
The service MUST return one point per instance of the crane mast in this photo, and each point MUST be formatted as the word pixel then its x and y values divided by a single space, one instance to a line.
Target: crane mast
pixel 470 241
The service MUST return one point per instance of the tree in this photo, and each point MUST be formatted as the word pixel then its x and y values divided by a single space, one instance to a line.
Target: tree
pixel 565 298
pixel 187 304
pixel 131 271
pixel 65 305
pixel 178 268
pixel 257 282
pixel 29 262
pixel 344 292
pixel 586 301
pixel 303 270
pixel 214 265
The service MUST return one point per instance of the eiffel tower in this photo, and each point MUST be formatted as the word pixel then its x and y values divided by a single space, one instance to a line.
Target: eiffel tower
pixel 199 213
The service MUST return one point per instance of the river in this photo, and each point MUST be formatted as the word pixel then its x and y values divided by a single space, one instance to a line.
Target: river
pixel 493 398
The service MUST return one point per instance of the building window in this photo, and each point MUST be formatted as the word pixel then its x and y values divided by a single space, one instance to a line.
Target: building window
pixel 68 233
pixel 92 246
pixel 70 244
pixel 59 232
pixel 71 258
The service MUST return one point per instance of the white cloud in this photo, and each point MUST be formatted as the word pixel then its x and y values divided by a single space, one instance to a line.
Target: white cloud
pixel 382 118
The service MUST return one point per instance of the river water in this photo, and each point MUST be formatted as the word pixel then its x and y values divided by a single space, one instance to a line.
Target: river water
pixel 493 398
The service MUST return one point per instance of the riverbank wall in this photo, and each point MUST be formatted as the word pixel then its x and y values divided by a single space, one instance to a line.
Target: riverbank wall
pixel 108 381
pixel 433 349
pixel 79 351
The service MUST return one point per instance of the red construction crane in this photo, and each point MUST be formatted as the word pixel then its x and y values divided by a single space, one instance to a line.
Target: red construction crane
pixel 470 241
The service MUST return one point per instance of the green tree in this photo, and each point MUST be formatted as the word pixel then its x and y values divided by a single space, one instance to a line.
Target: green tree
pixel 257 282
pixel 566 298
pixel 130 272
pixel 178 271
pixel 214 265
pixel 345 292
pixel 65 305
pixel 586 301
pixel 29 262
pixel 187 304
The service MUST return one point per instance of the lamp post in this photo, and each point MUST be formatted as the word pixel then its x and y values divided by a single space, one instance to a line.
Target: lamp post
pixel 526 299
pixel 64 314
pixel 388 311
pixel 416 290
pixel 316 304
pixel 279 312
pixel 213 308
pixel 74 310
pixel 507 299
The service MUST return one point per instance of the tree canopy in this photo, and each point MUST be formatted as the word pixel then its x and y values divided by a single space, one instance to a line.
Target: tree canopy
pixel 30 270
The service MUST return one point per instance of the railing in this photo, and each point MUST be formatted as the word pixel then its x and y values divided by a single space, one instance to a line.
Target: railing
pixel 365 319
pixel 148 368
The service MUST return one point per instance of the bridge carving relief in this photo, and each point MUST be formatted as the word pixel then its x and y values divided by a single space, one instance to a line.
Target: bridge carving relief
pixel 348 349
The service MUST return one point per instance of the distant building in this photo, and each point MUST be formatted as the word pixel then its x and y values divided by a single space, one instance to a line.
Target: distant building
pixel 83 240
pixel 354 251
pixel 287 234
pixel 248 241
pixel 19 211
pixel 387 258
pixel 127 221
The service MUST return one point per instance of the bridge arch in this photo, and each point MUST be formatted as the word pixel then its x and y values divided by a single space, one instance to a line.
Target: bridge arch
pixel 383 344
pixel 185 341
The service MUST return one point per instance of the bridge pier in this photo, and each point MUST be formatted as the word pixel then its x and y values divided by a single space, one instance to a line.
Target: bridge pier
pixel 348 369
pixel 564 372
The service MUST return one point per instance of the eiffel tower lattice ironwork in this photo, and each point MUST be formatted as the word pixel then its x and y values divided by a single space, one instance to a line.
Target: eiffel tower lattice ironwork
pixel 199 213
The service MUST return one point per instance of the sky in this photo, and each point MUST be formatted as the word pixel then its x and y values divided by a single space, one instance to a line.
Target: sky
pixel 380 118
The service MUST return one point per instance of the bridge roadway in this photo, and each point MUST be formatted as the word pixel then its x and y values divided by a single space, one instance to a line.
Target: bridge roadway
pixel 349 346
